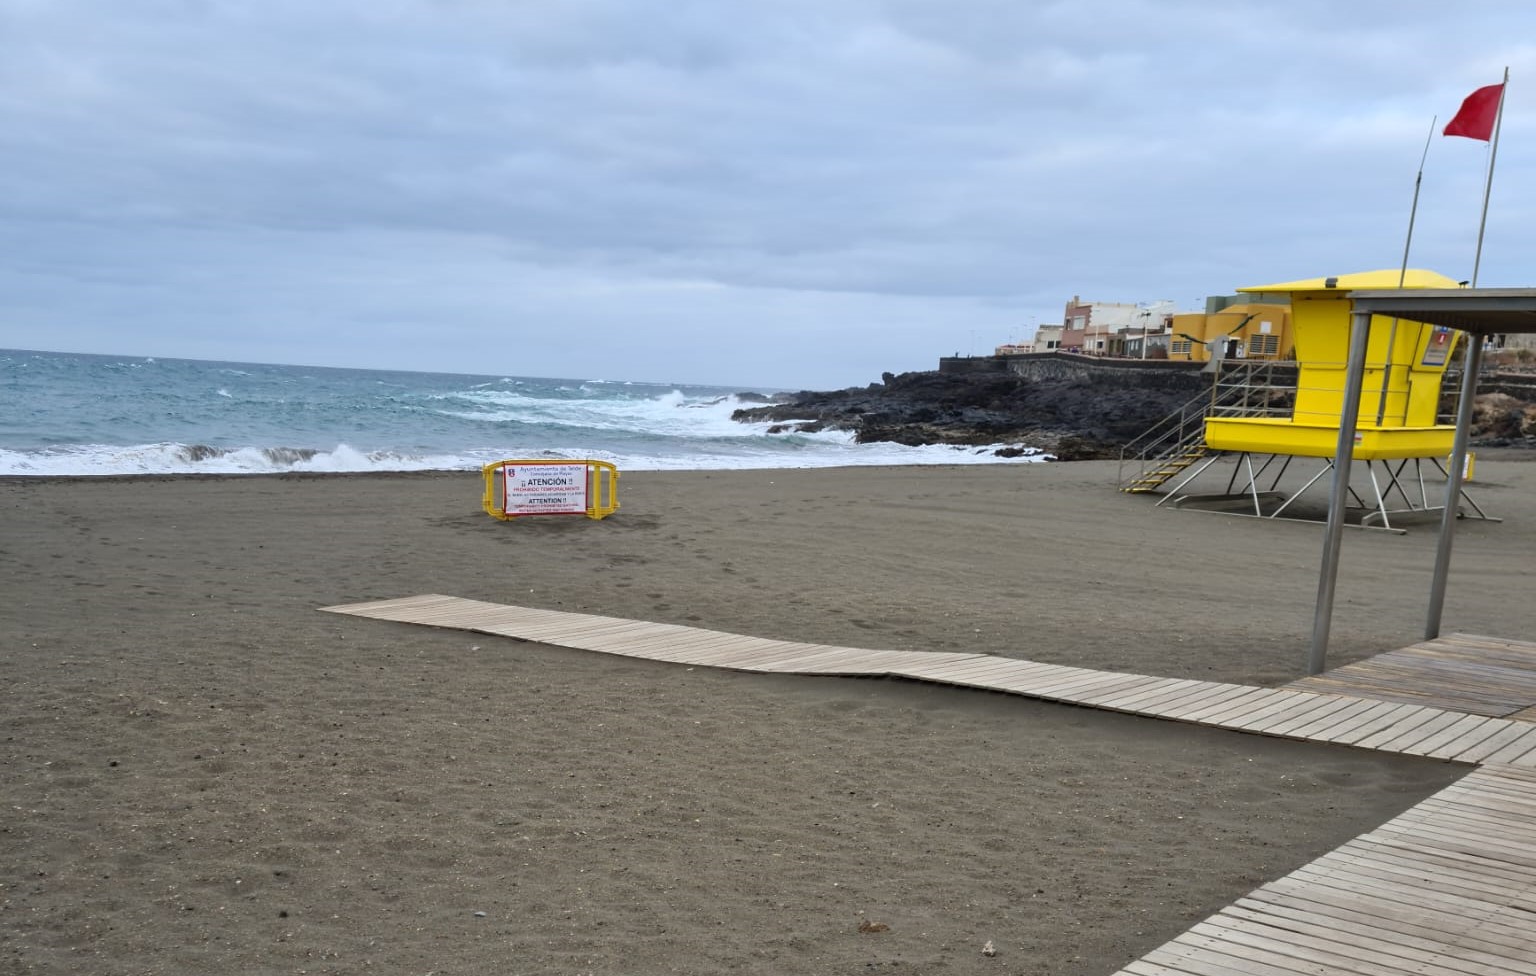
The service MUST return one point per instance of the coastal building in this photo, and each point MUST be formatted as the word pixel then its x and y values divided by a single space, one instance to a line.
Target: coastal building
pixel 1047 339
pixel 1088 326
pixel 1147 336
pixel 1115 328
pixel 1240 330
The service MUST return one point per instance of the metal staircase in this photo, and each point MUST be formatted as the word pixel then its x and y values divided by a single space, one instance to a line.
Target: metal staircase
pixel 1177 442
pixel 1171 445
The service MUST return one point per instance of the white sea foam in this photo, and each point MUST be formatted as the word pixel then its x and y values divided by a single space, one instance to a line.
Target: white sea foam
pixel 94 416
pixel 816 451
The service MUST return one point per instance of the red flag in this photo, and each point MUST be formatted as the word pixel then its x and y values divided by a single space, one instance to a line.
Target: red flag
pixel 1477 114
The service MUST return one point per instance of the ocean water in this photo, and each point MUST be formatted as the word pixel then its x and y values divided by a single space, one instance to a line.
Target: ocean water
pixel 71 414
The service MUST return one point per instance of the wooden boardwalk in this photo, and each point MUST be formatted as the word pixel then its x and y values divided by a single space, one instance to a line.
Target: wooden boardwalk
pixel 1446 889
pixel 1461 672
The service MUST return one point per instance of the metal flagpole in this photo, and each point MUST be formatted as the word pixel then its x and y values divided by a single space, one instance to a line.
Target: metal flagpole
pixel 1402 275
pixel 1493 155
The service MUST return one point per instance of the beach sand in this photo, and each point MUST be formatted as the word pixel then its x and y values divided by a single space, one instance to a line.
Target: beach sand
pixel 203 774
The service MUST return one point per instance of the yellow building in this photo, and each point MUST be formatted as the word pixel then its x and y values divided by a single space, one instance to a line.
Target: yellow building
pixel 1250 330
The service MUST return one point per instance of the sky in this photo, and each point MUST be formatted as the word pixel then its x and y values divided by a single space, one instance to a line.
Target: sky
pixel 786 194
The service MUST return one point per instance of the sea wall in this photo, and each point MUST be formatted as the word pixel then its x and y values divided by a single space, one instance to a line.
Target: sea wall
pixel 1050 366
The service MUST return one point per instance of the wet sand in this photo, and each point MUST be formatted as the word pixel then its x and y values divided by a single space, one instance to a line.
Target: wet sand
pixel 201 773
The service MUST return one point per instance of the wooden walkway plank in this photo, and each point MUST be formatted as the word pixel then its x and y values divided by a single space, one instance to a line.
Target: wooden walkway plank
pixel 1038 675
pixel 753 655
pixel 1208 699
pixel 1017 678
pixel 1482 805
pixel 1312 947
pixel 1211 957
pixel 1333 708
pixel 1223 712
pixel 1057 691
pixel 1488 933
pixel 1483 880
pixel 1461 835
pixel 1113 685
pixel 749 657
pixel 1515 752
pixel 1493 729
pixel 1477 726
pixel 1449 918
pixel 1458 672
pixel 1178 707
pixel 1511 733
pixel 1172 689
pixel 1498 788
pixel 982 664
pixel 1449 859
pixel 1249 697
pixel 847 661
pixel 1064 685
pixel 1383 715
pixel 1504 776
pixel 1421 717
pixel 1387 935
pixel 1357 713
pixel 1295 704
pixel 1365 884
pixel 1498 848
pixel 699 648
pixel 1158 688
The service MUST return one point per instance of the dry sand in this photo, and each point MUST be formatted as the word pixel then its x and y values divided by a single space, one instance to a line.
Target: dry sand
pixel 202 774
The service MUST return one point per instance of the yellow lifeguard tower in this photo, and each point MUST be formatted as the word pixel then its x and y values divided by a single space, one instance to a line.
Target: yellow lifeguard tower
pixel 1397 420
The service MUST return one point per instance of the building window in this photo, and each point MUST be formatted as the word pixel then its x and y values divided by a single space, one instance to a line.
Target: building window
pixel 1180 347
pixel 1263 345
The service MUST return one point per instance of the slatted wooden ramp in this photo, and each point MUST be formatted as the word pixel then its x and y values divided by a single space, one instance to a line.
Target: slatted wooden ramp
pixel 1415 730
pixel 1461 672
pixel 1446 889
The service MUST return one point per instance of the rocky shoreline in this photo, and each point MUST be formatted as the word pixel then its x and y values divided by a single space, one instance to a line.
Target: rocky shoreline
pixel 1088 413
pixel 1072 418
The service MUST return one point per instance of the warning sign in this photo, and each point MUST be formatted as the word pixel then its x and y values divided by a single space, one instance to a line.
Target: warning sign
pixel 1438 347
pixel 545 489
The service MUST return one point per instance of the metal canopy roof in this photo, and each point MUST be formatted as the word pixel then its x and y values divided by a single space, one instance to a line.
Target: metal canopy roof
pixel 1482 311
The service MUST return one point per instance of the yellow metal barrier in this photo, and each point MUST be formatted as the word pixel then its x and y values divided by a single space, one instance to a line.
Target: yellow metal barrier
pixel 542 487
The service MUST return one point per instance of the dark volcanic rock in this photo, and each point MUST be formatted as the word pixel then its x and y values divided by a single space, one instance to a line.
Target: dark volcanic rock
pixel 1090 412
pixel 1072 418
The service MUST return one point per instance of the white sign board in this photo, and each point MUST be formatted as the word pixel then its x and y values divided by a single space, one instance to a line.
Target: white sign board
pixel 545 489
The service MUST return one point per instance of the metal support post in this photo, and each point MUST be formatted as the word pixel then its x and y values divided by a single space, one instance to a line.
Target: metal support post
pixel 1343 459
pixel 1470 367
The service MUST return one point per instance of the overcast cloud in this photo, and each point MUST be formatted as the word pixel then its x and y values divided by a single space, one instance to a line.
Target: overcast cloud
pixel 774 193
